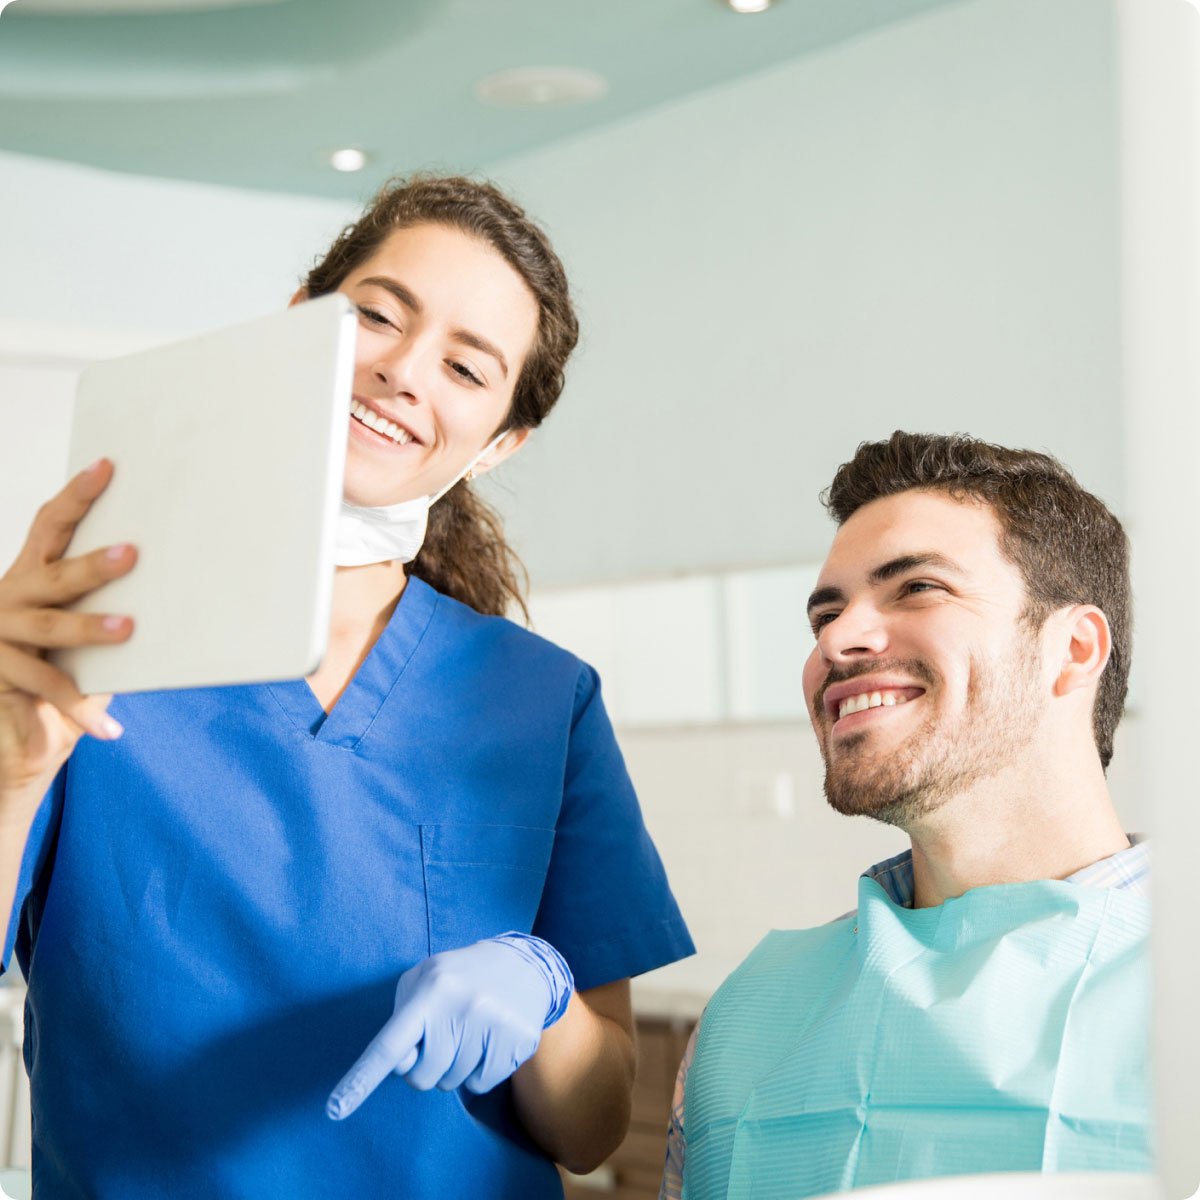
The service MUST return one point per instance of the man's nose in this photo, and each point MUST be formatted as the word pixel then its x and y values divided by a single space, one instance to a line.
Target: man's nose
pixel 857 632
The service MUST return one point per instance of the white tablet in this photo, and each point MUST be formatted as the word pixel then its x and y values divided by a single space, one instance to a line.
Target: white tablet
pixel 228 452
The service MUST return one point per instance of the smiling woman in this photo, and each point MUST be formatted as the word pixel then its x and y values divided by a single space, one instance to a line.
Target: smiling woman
pixel 436 825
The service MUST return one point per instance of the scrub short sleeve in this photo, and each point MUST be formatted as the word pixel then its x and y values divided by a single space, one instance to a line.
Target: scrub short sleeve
pixel 606 905
pixel 38 850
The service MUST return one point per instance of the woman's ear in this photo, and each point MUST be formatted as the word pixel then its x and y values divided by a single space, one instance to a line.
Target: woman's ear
pixel 1088 649
pixel 506 447
pixel 300 295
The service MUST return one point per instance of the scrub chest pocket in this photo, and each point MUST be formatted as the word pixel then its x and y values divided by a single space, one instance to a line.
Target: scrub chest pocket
pixel 481 880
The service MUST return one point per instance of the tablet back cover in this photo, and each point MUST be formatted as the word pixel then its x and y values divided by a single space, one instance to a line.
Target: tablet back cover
pixel 228 451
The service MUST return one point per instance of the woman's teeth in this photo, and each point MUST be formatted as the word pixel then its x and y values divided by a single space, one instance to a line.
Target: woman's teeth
pixel 372 420
pixel 853 704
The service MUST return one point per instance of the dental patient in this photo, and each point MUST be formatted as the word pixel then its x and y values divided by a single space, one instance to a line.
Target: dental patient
pixel 986 1006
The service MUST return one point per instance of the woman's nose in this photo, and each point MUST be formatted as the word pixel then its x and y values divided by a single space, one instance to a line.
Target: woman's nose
pixel 400 372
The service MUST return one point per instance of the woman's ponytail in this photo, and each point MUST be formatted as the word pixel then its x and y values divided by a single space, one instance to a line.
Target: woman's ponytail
pixel 466 556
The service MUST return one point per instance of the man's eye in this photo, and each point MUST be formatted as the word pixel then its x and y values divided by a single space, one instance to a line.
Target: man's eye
pixel 820 621
pixel 920 585
pixel 466 372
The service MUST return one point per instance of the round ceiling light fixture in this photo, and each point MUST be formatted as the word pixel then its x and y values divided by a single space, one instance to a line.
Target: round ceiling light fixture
pixel 749 6
pixel 540 87
pixel 348 158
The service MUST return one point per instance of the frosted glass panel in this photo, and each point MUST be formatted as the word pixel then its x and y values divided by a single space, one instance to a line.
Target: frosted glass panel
pixel 670 651
pixel 657 646
pixel 767 639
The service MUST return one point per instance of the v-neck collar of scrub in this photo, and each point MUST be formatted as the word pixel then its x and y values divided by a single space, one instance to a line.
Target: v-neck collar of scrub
pixel 347 723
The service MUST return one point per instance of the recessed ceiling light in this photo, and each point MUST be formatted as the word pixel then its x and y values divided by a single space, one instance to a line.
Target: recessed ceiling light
pixel 540 87
pixel 749 6
pixel 349 158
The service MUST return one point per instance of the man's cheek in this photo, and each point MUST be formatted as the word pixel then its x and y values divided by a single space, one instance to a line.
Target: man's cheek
pixel 811 678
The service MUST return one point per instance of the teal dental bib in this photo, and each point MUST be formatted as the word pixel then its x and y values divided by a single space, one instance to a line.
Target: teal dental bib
pixel 1004 1030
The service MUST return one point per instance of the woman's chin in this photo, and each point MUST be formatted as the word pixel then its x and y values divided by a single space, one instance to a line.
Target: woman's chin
pixel 378 497
pixel 374 489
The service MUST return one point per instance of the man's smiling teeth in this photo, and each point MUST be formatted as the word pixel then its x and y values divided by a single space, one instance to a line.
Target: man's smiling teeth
pixel 372 420
pixel 853 704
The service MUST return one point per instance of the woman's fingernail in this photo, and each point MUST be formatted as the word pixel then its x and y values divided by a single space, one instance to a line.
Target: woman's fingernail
pixel 113 624
pixel 115 552
pixel 110 728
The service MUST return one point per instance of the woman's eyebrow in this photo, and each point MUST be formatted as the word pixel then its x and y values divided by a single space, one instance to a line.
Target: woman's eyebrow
pixel 410 301
pixel 407 298
pixel 482 344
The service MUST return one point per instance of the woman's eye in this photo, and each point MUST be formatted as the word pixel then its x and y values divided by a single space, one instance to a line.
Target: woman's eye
pixel 373 316
pixel 466 372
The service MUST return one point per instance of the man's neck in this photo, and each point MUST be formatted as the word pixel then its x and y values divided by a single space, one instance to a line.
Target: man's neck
pixel 1014 829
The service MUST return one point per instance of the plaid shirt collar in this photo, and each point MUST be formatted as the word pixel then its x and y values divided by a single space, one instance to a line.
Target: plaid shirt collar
pixel 1127 870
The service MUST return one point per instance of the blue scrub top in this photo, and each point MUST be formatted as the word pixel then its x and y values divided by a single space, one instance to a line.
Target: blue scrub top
pixel 213 912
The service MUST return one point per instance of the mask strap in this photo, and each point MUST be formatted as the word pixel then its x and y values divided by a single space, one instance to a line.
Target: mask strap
pixel 470 466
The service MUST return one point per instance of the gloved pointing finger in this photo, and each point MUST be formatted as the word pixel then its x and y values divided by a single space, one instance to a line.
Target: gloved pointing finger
pixel 468 1017
pixel 392 1049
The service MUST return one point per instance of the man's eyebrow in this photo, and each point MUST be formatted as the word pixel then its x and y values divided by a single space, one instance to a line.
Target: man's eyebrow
pixel 913 562
pixel 825 595
pixel 886 571
pixel 410 301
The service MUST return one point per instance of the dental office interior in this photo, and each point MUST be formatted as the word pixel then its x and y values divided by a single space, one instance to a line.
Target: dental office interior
pixel 788 231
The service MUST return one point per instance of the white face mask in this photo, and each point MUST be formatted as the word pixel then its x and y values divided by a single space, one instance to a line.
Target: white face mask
pixel 371 535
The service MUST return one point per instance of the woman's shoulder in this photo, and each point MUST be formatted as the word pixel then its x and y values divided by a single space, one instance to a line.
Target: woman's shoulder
pixel 503 634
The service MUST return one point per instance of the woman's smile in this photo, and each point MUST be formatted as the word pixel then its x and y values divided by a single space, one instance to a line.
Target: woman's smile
pixel 378 429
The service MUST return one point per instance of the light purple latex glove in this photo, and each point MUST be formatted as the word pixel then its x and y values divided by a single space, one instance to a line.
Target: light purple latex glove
pixel 463 1017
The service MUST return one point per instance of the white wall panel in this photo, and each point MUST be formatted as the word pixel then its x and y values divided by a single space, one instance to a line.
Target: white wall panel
pixel 671 652
pixel 657 646
pixel 767 640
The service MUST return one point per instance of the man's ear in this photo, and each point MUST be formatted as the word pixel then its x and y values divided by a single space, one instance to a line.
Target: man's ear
pixel 301 294
pixel 506 447
pixel 1088 648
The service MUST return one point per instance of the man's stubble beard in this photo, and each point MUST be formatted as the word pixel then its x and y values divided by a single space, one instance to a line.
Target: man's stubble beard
pixel 935 764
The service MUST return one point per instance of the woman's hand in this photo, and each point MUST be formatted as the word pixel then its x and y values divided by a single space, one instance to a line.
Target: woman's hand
pixel 42 712
pixel 466 1018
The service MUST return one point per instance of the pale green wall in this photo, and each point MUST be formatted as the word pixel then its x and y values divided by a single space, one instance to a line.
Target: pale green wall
pixel 915 229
